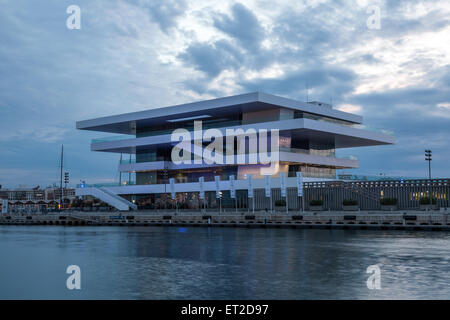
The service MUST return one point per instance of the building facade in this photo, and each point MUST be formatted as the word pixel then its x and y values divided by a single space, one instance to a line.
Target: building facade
pixel 307 136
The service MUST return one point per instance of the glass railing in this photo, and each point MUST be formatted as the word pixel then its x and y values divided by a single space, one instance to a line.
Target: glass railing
pixel 129 161
pixel 112 138
pixel 109 184
pixel 133 161
pixel 282 149
pixel 294 150
pixel 374 129
pixel 312 153
pixel 309 116
pixel 347 124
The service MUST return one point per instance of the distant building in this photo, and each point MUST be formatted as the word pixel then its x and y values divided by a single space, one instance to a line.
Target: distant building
pixel 37 194
pixel 35 199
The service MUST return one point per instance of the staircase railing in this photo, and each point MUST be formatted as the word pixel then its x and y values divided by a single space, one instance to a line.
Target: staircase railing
pixel 117 197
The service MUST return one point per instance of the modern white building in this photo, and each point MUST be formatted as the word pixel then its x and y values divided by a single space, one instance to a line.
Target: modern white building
pixel 309 135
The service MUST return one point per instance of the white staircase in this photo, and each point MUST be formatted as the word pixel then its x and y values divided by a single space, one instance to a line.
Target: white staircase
pixel 107 196
pixel 119 198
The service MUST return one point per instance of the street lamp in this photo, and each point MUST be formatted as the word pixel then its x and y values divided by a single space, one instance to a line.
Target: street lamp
pixel 428 154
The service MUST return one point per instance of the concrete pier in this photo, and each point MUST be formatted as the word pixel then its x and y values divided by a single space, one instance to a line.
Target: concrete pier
pixel 405 220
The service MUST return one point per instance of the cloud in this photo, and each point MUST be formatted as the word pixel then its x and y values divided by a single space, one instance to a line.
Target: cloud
pixel 212 59
pixel 164 13
pixel 349 108
pixel 242 25
pixel 443 105
pixel 323 82
pixel 41 135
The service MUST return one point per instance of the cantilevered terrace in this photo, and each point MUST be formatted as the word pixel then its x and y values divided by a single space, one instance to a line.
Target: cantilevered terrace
pixel 309 135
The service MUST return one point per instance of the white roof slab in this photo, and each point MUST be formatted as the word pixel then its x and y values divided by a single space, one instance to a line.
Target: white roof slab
pixel 126 123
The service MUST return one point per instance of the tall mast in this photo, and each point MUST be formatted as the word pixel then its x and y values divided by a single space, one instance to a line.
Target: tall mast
pixel 60 177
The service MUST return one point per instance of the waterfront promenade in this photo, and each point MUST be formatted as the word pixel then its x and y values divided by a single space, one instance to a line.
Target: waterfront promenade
pixel 397 220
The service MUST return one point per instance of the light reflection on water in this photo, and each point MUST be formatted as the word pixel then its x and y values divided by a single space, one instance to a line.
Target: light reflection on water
pixel 221 263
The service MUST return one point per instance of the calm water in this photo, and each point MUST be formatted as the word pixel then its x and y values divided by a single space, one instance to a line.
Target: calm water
pixel 221 263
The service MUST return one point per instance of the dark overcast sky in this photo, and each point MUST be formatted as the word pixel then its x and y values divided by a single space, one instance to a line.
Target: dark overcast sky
pixel 137 54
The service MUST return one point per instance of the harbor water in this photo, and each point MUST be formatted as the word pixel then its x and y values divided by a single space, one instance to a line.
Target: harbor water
pixel 163 262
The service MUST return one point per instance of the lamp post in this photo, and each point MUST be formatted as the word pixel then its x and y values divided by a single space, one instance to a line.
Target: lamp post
pixel 428 157
pixel 428 154
pixel 66 181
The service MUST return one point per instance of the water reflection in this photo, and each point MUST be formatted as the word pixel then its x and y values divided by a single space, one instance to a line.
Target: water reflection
pixel 221 263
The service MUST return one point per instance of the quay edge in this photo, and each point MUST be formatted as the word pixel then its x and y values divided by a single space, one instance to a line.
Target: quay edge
pixel 405 220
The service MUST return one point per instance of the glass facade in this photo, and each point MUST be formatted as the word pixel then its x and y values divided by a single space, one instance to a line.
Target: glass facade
pixel 307 115
pixel 166 127
pixel 312 171
pixel 192 200
pixel 186 175
pixel 288 143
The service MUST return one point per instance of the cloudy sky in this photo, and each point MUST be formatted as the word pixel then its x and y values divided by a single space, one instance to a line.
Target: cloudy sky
pixel 132 55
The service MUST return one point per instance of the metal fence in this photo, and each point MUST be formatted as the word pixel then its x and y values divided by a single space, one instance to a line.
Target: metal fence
pixel 369 193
